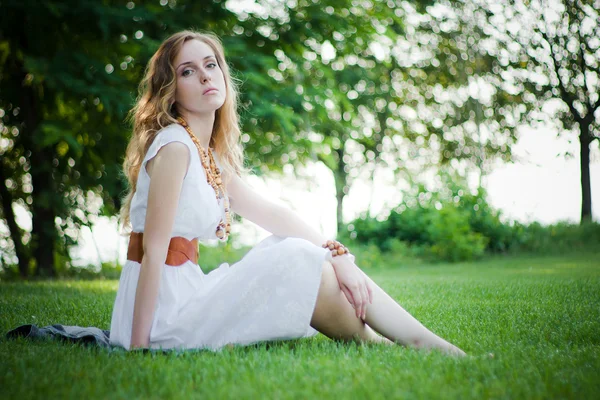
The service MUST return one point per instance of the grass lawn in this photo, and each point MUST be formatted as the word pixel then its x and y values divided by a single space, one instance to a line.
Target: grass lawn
pixel 539 316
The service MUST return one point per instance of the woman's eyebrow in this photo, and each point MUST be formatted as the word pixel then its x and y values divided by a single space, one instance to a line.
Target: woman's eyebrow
pixel 191 62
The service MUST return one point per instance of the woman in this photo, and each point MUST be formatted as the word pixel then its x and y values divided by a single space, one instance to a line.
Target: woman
pixel 184 164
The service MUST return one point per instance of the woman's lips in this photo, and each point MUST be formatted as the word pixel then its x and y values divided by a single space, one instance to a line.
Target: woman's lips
pixel 211 91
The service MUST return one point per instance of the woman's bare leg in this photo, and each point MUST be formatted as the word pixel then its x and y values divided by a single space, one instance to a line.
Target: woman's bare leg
pixel 388 318
pixel 335 318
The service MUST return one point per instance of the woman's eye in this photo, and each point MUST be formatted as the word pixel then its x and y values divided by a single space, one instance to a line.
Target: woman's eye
pixel 184 73
pixel 212 64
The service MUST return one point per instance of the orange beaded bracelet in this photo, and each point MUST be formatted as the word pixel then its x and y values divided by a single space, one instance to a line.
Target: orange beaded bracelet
pixel 337 249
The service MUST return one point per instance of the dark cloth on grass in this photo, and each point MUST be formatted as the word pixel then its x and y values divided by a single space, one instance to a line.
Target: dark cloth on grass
pixel 75 334
pixel 89 335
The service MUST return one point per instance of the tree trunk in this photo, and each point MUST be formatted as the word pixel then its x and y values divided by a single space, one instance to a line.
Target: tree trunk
pixel 43 229
pixel 340 184
pixel 586 192
pixel 15 231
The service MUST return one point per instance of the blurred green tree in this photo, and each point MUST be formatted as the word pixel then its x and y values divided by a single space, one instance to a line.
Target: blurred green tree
pixel 548 56
pixel 332 80
pixel 62 107
pixel 68 76
pixel 409 88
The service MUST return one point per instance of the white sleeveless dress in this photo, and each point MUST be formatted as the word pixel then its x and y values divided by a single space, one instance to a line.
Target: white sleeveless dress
pixel 269 294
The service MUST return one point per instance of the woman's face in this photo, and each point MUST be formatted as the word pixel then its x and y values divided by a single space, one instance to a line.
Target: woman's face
pixel 197 71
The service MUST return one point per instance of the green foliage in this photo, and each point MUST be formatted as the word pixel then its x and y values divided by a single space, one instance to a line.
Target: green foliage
pixel 486 221
pixel 455 225
pixel 210 257
pixel 556 238
pixel 452 237
pixel 107 270
pixel 424 232
pixel 66 92
pixel 428 230
pixel 371 257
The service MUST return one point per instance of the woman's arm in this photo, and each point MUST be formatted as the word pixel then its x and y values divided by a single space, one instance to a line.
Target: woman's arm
pixel 167 170
pixel 272 217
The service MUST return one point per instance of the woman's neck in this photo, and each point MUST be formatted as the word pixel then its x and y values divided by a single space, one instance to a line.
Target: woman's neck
pixel 201 126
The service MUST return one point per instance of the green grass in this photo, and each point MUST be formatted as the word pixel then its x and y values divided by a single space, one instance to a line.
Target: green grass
pixel 539 316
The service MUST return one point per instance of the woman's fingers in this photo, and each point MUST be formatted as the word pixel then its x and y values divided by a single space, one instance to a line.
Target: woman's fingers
pixel 368 286
pixel 354 285
pixel 356 299
pixel 360 301
pixel 366 300
pixel 348 294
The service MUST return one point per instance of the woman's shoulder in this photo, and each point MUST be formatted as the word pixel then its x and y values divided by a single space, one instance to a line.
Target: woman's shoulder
pixel 168 134
pixel 173 131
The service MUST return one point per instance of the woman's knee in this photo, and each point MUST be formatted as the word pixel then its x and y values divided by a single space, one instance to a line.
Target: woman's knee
pixel 333 315
pixel 328 297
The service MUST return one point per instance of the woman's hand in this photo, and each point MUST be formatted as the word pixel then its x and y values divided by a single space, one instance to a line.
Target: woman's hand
pixel 138 344
pixel 354 284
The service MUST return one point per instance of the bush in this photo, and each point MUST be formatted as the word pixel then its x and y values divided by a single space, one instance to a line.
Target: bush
pixel 372 257
pixel 67 271
pixel 485 220
pixel 210 257
pixel 556 238
pixel 452 238
pixel 443 234
pixel 455 225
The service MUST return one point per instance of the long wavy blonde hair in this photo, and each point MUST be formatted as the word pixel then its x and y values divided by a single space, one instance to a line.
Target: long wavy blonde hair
pixel 154 110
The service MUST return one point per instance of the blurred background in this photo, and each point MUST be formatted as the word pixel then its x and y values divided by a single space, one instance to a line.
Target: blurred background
pixel 412 131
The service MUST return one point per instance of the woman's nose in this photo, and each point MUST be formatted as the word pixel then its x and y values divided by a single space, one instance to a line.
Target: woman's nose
pixel 204 77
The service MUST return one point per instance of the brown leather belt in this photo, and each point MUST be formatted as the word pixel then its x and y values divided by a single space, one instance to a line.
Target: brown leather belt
pixel 180 249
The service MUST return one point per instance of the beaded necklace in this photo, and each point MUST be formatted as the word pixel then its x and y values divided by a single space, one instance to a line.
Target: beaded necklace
pixel 213 177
